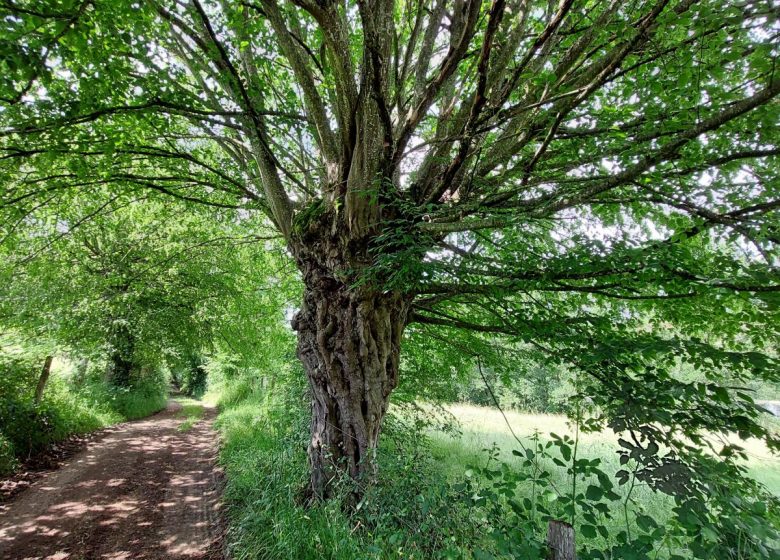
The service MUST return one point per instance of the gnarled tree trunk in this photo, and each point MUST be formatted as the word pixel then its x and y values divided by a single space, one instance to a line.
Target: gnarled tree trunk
pixel 349 342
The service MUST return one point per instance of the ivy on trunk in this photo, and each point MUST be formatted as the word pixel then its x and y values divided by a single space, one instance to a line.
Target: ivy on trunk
pixel 349 342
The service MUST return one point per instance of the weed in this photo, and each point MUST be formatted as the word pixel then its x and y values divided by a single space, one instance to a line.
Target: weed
pixel 192 411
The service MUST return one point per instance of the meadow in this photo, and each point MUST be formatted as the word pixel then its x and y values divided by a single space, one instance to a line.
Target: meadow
pixel 483 426
pixel 423 505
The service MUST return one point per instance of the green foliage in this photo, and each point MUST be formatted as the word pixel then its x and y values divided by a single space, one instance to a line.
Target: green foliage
pixel 8 461
pixel 422 506
pixel 145 283
pixel 134 292
pixel 264 438
pixel 587 191
pixel 306 218
pixel 529 386
pixel 191 377
pixel 550 481
pixel 146 396
pixel 670 398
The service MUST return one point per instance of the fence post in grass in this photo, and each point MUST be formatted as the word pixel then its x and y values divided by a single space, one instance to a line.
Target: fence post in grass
pixel 560 541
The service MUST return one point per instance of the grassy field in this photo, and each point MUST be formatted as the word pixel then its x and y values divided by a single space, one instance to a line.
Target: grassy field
pixel 482 426
pixel 414 512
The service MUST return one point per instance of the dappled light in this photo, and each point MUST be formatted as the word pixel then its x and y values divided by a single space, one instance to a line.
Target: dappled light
pixel 165 504
pixel 458 279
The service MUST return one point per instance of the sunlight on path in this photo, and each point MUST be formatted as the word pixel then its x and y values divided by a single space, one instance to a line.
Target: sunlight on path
pixel 148 489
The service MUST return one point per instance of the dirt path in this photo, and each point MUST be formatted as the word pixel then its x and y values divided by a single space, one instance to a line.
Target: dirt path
pixel 145 490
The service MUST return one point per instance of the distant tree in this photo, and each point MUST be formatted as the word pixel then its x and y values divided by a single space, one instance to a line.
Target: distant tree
pixel 43 378
pixel 140 285
pixel 552 173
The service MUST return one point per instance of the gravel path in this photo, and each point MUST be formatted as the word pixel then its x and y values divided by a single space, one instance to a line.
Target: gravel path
pixel 144 490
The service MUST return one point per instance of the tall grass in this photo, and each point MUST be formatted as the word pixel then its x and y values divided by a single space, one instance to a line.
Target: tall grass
pixel 68 408
pixel 483 426
pixel 264 455
pixel 417 508
pixel 142 399
pixel 265 465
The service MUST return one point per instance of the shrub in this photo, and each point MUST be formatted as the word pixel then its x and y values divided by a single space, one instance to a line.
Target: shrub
pixel 29 427
pixel 26 426
pixel 145 396
pixel 8 462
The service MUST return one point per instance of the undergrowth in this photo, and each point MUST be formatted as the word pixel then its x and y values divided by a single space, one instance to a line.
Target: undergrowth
pixel 264 455
pixel 421 507
pixel 68 407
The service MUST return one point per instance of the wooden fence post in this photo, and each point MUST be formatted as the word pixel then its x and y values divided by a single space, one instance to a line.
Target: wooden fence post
pixel 560 541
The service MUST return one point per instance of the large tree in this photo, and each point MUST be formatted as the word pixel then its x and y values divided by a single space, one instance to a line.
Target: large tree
pixel 553 172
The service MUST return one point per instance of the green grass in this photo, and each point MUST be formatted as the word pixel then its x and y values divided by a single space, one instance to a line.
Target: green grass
pixel 191 410
pixel 414 511
pixel 265 473
pixel 132 405
pixel 482 426
pixel 264 457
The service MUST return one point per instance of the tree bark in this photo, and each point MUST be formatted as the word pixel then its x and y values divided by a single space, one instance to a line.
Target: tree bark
pixel 121 363
pixel 43 379
pixel 349 343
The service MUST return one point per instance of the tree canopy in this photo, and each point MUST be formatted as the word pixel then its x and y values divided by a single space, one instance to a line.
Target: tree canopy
pixel 143 284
